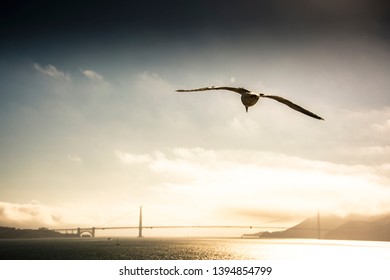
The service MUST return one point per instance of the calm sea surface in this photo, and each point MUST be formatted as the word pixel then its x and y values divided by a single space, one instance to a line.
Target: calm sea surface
pixel 190 249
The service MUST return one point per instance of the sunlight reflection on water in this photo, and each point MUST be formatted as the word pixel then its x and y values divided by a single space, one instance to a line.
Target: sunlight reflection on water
pixel 313 249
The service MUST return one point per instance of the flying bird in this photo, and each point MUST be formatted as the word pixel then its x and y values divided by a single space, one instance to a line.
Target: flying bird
pixel 250 98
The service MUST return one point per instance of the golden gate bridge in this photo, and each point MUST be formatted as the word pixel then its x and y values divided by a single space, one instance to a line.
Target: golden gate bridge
pixel 91 231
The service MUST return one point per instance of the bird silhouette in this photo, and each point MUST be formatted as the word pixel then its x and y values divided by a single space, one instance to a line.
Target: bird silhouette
pixel 250 98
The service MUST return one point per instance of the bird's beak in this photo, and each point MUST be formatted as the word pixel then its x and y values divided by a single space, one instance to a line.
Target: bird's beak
pixel 246 108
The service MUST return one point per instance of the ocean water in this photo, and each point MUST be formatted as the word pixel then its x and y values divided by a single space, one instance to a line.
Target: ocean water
pixel 191 249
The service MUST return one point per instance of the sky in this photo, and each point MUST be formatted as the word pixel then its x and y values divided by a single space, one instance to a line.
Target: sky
pixel 92 128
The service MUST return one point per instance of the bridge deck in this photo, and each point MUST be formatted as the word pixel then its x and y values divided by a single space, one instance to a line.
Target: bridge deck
pixel 162 227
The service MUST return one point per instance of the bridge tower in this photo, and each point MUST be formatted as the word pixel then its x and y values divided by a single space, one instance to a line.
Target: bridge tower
pixel 140 223
pixel 318 225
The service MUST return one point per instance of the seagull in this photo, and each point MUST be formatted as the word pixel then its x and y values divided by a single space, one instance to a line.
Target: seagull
pixel 250 98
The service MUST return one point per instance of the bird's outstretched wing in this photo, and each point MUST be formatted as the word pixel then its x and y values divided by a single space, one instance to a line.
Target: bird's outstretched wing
pixel 292 105
pixel 238 90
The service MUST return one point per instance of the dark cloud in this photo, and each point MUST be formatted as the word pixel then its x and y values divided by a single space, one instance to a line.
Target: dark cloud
pixel 85 20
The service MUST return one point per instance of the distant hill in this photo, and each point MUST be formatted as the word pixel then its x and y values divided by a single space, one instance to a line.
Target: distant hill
pixel 308 228
pixel 333 227
pixel 8 232
pixel 378 230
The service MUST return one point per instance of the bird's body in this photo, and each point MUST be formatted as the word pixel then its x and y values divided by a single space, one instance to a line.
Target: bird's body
pixel 250 98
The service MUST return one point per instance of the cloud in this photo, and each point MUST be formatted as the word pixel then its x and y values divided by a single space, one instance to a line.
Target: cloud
pixel 264 182
pixel 383 127
pixel 128 158
pixel 150 82
pixel 52 71
pixel 28 215
pixel 90 74
pixel 74 158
